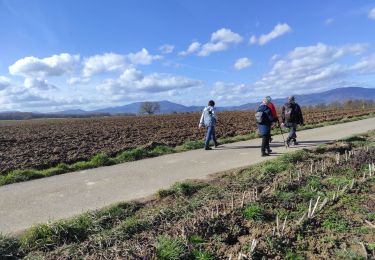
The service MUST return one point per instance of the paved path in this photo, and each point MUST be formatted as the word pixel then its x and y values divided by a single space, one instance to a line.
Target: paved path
pixel 62 196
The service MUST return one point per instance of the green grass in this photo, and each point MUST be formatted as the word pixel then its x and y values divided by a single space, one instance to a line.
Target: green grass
pixel 202 255
pixel 187 188
pixel 253 212
pixel 47 236
pixel 335 223
pixel 169 248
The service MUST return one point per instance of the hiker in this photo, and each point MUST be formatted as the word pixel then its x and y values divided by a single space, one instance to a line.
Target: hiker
pixel 291 115
pixel 273 110
pixel 264 121
pixel 209 120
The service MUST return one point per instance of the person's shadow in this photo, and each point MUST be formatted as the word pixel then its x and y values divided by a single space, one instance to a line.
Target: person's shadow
pixel 278 144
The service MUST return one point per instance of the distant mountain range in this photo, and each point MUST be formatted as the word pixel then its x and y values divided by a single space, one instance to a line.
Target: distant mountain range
pixel 338 94
pixel 166 107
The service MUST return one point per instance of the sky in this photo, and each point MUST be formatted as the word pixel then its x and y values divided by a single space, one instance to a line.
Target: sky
pixel 91 54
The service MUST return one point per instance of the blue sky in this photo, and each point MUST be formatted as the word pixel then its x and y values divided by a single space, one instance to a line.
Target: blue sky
pixel 57 55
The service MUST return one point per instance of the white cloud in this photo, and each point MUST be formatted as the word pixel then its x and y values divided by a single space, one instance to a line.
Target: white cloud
pixel 103 63
pixel 55 65
pixel 142 57
pixel 365 65
pixel 133 80
pixel 230 92
pixel 39 84
pixel 278 30
pixel 313 67
pixel 329 21
pixel 78 81
pixel 253 39
pixel 220 41
pixel 242 63
pixel 226 36
pixel 193 47
pixel 371 14
pixel 210 47
pixel 4 82
pixel 166 48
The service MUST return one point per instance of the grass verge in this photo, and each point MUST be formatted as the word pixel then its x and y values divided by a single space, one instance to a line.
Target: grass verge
pixel 221 217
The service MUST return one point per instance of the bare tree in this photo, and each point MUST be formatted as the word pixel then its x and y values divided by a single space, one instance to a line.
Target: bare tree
pixel 149 108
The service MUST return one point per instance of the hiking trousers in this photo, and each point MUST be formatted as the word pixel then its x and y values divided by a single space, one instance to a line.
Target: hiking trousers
pixel 265 143
pixel 292 133
pixel 210 135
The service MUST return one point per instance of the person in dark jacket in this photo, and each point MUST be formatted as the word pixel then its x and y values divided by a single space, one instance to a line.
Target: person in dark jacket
pixel 264 126
pixel 291 116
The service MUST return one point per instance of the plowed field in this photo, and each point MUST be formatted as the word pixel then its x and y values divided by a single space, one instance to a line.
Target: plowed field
pixel 44 143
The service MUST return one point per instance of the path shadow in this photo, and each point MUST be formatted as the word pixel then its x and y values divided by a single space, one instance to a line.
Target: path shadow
pixel 301 144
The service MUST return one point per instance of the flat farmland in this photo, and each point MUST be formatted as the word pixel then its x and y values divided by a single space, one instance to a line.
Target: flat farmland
pixel 44 143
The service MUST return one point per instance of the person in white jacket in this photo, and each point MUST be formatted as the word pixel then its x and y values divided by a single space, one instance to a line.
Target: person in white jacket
pixel 209 119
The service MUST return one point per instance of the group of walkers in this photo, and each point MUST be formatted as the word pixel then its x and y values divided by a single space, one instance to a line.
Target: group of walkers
pixel 265 116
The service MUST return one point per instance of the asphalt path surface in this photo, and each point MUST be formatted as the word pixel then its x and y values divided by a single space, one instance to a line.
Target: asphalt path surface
pixel 39 201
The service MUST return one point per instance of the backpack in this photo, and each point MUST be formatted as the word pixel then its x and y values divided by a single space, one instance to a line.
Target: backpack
pixel 260 117
pixel 290 113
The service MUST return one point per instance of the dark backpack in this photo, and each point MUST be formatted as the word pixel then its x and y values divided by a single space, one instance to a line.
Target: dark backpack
pixel 290 112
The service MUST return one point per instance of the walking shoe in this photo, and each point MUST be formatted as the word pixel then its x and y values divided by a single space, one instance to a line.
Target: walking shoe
pixel 207 148
pixel 265 154
pixel 295 142
pixel 217 144
pixel 269 151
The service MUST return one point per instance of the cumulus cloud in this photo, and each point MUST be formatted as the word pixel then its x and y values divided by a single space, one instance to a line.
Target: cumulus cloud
pixel 278 30
pixel 242 63
pixel 231 92
pixel 55 65
pixel 39 84
pixel 103 63
pixel 166 48
pixel 21 98
pixel 371 14
pixel 314 67
pixel 78 81
pixel 133 80
pixel 225 35
pixel 193 47
pixel 142 57
pixel 220 41
pixel 4 82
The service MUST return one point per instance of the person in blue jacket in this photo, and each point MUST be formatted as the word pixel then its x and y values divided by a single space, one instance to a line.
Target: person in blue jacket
pixel 264 121
pixel 209 119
